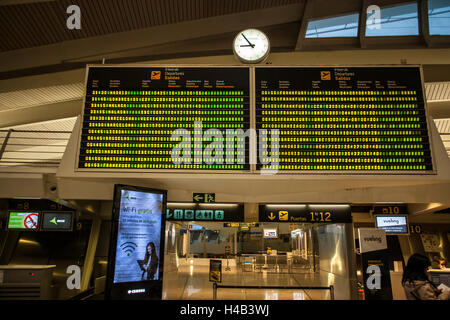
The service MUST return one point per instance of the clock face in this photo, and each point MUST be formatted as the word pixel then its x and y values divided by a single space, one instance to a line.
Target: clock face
pixel 251 46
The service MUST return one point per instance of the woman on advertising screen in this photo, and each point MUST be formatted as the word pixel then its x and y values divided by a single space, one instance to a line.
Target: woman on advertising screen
pixel 150 262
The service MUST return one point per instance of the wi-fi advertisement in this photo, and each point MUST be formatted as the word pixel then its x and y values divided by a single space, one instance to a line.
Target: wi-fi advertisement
pixel 136 259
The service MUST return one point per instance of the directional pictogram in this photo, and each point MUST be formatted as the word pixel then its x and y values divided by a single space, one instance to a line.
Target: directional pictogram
pixel 204 197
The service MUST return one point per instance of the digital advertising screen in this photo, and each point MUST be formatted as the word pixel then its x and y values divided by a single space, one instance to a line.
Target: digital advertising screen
pixel 137 246
pixel 165 118
pixel 393 224
pixel 57 221
pixel 342 119
pixel 26 221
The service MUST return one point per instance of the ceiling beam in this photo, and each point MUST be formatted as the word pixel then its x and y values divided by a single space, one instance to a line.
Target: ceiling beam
pixel 46 112
pixel 362 23
pixel 42 80
pixel 16 2
pixel 424 29
pixel 306 14
pixel 281 36
pixel 439 109
pixel 427 57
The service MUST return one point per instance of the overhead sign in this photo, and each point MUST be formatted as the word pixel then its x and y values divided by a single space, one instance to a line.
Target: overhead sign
pixel 307 213
pixel 28 221
pixel 390 209
pixel 371 239
pixel 393 224
pixel 415 229
pixel 205 212
pixel 165 118
pixel 343 119
pixel 57 221
pixel 35 204
pixel 241 224
pixel 204 197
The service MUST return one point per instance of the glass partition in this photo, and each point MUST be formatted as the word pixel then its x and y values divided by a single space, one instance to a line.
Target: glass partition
pixel 285 255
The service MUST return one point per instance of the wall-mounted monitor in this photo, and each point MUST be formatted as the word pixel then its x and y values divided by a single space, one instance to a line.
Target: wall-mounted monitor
pixel 270 233
pixel 343 119
pixel 24 220
pixel 135 264
pixel 57 221
pixel 134 117
pixel 393 225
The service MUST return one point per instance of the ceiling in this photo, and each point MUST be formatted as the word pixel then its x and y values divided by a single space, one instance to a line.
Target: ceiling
pixel 19 20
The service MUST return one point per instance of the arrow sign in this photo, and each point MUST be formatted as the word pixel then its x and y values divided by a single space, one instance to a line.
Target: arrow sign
pixel 271 216
pixel 198 197
pixel 54 221
pixel 204 197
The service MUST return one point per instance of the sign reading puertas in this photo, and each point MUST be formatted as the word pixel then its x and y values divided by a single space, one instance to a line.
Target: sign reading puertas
pixel 308 213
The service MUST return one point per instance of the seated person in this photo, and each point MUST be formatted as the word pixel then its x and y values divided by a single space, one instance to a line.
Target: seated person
pixel 416 281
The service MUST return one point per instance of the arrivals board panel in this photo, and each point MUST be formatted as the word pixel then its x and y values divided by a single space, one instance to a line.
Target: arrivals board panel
pixel 156 118
pixel 356 119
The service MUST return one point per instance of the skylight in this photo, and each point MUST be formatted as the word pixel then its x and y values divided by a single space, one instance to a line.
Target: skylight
pixel 439 17
pixel 342 26
pixel 400 20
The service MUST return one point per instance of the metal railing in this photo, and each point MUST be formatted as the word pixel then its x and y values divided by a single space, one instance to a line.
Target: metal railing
pixel 217 286
pixel 32 148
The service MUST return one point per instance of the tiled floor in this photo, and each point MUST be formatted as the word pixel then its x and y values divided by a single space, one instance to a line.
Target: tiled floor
pixel 192 283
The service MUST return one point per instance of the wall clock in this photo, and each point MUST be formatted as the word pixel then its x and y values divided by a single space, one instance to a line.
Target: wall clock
pixel 251 46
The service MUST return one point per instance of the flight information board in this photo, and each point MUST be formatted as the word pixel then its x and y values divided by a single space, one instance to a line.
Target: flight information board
pixel 342 119
pixel 165 118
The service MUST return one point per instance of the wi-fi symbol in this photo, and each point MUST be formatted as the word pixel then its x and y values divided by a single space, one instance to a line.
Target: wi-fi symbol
pixel 128 247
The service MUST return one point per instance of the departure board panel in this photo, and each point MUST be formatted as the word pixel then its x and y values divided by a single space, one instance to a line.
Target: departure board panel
pixel 165 118
pixel 356 119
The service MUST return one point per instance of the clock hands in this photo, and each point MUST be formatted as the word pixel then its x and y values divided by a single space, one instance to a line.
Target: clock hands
pixel 250 44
